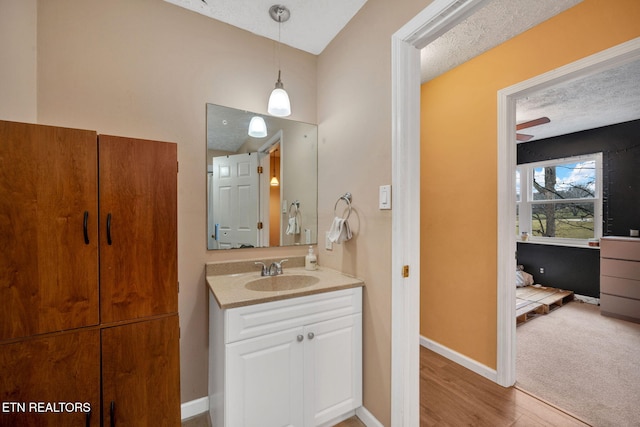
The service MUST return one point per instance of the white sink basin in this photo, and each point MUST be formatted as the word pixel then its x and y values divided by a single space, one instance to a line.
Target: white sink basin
pixel 283 282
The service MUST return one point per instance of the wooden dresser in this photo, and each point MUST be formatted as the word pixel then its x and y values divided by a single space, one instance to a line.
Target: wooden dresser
pixel 620 277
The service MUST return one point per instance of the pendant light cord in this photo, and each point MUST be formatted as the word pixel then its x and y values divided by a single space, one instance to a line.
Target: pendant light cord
pixel 278 45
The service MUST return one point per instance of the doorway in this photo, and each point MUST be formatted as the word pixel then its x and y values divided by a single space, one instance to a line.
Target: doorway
pixel 609 58
pixel 406 219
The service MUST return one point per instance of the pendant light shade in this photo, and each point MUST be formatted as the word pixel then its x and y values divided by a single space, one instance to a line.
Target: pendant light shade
pixel 257 127
pixel 279 104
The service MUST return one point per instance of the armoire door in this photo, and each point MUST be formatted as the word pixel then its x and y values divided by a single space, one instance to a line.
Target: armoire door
pixel 141 373
pixel 138 228
pixel 52 380
pixel 48 229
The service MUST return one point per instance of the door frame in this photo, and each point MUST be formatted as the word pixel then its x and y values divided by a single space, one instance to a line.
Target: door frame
pixel 433 21
pixel 507 97
pixel 405 85
pixel 264 206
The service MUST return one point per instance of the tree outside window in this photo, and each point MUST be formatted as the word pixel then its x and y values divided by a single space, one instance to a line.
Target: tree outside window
pixel 560 199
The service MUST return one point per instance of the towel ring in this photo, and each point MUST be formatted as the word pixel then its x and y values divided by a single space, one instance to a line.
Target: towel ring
pixel 347 198
pixel 295 205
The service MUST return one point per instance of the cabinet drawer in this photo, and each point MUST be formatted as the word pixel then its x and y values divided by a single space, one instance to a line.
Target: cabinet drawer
pixel 620 268
pixel 255 320
pixel 621 287
pixel 620 248
pixel 611 305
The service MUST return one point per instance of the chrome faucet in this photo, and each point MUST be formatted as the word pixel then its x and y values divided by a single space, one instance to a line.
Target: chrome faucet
pixel 273 270
pixel 276 268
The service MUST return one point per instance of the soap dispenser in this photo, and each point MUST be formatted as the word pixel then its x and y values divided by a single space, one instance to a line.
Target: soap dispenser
pixel 310 262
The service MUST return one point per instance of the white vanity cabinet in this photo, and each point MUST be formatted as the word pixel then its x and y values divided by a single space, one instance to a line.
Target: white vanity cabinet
pixel 294 362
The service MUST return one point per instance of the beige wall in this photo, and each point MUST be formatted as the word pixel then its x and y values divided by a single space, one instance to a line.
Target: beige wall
pixel 18 60
pixel 146 68
pixel 354 112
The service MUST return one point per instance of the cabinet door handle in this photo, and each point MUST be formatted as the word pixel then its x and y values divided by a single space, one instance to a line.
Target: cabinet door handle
pixel 109 229
pixel 112 414
pixel 85 227
pixel 300 338
pixel 311 335
pixel 88 419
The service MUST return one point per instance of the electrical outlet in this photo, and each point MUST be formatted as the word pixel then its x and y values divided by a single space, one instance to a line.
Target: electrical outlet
pixel 328 244
pixel 541 270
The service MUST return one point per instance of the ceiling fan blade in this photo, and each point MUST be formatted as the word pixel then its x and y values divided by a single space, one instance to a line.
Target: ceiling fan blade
pixel 531 123
pixel 523 137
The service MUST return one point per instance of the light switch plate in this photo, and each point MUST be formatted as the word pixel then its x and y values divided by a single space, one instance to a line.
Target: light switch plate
pixel 385 197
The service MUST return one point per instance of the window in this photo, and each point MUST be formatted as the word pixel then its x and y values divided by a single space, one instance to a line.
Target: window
pixel 560 201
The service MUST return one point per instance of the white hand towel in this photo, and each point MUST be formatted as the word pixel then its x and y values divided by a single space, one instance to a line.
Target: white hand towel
pixel 339 231
pixel 345 233
pixel 293 227
pixel 334 231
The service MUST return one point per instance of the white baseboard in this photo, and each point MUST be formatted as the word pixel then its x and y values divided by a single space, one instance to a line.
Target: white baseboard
pixel 460 359
pixel 194 407
pixel 367 417
pixel 198 406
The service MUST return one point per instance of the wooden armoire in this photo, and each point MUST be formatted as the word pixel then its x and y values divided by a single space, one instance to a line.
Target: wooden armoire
pixel 89 331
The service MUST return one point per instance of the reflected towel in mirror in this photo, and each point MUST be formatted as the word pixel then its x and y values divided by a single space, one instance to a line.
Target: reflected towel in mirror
pixel 340 230
pixel 293 227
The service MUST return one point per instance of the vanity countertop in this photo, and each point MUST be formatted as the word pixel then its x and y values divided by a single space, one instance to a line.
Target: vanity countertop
pixel 229 289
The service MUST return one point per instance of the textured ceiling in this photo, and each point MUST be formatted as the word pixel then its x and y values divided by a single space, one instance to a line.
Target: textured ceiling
pixel 606 98
pixel 494 23
pixel 610 97
pixel 313 24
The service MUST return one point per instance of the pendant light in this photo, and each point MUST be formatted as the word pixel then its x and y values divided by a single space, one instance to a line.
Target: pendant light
pixel 279 104
pixel 274 181
pixel 257 127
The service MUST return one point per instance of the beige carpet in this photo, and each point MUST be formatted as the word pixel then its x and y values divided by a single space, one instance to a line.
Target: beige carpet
pixel 582 362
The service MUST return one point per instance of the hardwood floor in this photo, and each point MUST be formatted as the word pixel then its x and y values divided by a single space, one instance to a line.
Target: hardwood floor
pixel 201 420
pixel 351 422
pixel 451 395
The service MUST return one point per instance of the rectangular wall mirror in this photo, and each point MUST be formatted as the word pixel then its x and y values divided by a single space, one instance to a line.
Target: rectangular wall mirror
pixel 262 191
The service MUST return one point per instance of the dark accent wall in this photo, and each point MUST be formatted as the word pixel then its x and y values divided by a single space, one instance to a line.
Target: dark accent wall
pixel 578 269
pixel 574 269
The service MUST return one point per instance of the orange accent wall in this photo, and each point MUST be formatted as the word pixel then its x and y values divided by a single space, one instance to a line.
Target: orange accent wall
pixel 459 168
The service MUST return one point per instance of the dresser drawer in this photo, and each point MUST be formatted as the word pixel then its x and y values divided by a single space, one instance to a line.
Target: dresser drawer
pixel 626 308
pixel 260 319
pixel 621 248
pixel 621 287
pixel 620 268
